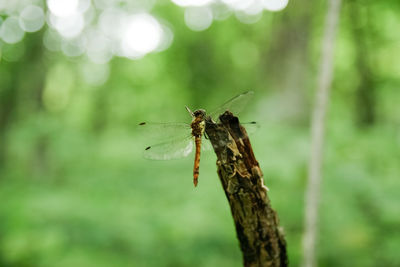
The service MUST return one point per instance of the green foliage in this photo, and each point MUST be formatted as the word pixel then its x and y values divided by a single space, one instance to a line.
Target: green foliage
pixel 76 191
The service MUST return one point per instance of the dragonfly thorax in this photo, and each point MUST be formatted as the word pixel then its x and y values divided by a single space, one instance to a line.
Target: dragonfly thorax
pixel 198 122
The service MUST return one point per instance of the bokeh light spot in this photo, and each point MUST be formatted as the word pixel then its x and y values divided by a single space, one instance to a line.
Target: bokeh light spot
pixel 73 47
pixel 68 27
pixel 83 6
pixel 166 40
pixel 239 4
pixel 52 40
pixel 254 9
pixel 192 2
pixel 275 5
pixel 10 31
pixel 221 11
pixel 198 18
pixel 98 47
pixel 63 8
pixel 246 18
pixel 31 18
pixel 142 35
pixel 95 74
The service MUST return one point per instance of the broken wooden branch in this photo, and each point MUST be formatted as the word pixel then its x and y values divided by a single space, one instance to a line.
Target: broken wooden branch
pixel 257 224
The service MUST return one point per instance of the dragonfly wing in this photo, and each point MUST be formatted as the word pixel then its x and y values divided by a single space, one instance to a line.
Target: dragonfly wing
pixel 251 127
pixel 173 149
pixel 206 145
pixel 234 105
pixel 161 132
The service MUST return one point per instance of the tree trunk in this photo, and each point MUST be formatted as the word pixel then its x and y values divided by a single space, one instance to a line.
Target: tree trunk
pixel 287 65
pixel 21 88
pixel 317 134
pixel 365 90
pixel 8 100
pixel 257 224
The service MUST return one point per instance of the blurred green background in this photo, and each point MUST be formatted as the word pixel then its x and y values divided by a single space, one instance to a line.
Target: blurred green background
pixel 77 76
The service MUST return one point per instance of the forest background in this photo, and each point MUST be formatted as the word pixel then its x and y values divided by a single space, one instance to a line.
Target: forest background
pixel 77 76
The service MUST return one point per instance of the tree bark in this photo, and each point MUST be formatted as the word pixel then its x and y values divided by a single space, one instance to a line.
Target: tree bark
pixel 257 224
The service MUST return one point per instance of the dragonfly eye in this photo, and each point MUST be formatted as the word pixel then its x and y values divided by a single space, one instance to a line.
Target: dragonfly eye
pixel 200 113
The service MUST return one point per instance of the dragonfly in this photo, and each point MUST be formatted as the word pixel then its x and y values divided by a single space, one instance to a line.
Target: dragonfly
pixel 177 140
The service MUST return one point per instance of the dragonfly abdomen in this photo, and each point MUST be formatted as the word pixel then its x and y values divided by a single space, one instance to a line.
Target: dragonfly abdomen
pixel 198 126
pixel 196 167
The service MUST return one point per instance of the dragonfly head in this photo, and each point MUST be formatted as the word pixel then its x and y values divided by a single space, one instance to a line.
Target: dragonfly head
pixel 200 113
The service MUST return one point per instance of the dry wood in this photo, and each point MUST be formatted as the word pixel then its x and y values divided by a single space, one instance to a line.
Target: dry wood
pixel 257 224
